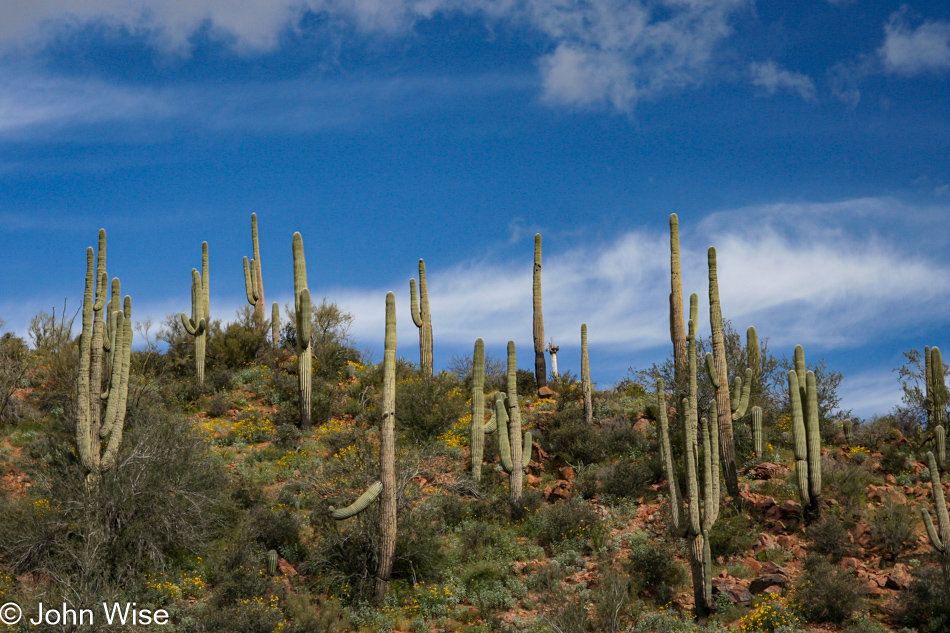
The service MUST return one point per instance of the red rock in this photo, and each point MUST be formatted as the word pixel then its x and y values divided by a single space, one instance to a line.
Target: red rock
pixel 763 582
pixel 899 578
pixel 547 392
pixel 567 473
pixel 768 470
pixel 733 591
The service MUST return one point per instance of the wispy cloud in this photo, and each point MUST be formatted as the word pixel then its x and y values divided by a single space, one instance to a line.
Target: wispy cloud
pixel 602 51
pixel 870 393
pixel 773 78
pixel 911 51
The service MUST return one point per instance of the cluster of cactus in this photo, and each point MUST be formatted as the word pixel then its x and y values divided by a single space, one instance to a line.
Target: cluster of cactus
pixel 939 536
pixel 702 497
pixel 586 386
pixel 803 397
pixel 540 367
pixel 385 488
pixel 936 394
pixel 98 340
pixel 199 322
pixel 422 319
pixel 302 314
pixel 514 451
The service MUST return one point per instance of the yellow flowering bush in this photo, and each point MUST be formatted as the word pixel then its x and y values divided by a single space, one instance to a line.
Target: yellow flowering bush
pixel 772 615
pixel 254 428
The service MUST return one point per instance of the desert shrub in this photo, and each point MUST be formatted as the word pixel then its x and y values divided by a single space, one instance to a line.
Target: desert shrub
pixel 829 535
pixel 623 440
pixel 219 379
pixel 485 586
pixel 566 611
pixel 253 427
pixel 275 528
pixel 653 567
pixel 428 406
pixel 286 436
pixel 827 593
pixel 565 520
pixel 16 363
pixel 612 602
pixel 894 459
pixel 254 614
pixel 571 438
pixel 218 405
pixel 237 573
pixel 733 532
pixel 527 385
pixel 846 483
pixel 926 603
pixel 893 525
pixel 239 343
pixel 863 624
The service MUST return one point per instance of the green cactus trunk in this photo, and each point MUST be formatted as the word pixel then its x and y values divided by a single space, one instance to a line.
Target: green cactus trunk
pixel 272 559
pixel 422 319
pixel 586 386
pixel 253 279
pixel 477 434
pixel 540 367
pixel 848 428
pixel 387 456
pixel 936 401
pixel 758 443
pixel 302 313
pixel 940 437
pixel 723 400
pixel 275 324
pixel 677 323
pixel 514 427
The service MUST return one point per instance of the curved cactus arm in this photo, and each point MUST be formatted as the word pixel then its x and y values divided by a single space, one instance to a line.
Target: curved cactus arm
pixel 939 539
pixel 250 282
pixel 414 303
pixel 362 502
pixel 741 402
pixel 492 425
pixel 753 352
pixel 504 442
pixel 941 439
pixel 711 370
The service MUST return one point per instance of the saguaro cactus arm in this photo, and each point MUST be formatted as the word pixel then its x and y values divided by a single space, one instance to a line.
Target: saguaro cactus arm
pixel 419 307
pixel 253 279
pixel 364 501
pixel 940 536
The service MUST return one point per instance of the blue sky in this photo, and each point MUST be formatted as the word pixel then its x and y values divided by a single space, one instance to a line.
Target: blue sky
pixel 807 141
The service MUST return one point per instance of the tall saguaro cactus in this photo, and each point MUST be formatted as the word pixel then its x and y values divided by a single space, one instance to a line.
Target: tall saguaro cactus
pixel 275 324
pixel 253 280
pixel 677 324
pixel 385 488
pixel 93 427
pixel 702 497
pixel 540 367
pixel 477 440
pixel 720 379
pixel 758 443
pixel 197 326
pixel 513 451
pixel 939 537
pixel 422 318
pixel 586 386
pixel 803 397
pixel 302 314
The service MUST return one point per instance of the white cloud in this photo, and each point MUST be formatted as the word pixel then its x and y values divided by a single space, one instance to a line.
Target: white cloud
pixel 908 51
pixel 870 393
pixel 603 51
pixel 773 78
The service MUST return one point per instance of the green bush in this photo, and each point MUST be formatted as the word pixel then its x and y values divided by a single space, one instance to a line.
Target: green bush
pixel 653 567
pixel 926 604
pixel 846 483
pixel 894 459
pixel 829 535
pixel 428 407
pixel 568 436
pixel 733 532
pixel 827 593
pixel 565 520
pixel 893 526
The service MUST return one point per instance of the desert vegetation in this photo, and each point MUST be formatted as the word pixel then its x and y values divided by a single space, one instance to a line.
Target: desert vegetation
pixel 263 476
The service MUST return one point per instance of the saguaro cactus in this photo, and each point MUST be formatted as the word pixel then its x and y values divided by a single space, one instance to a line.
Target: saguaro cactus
pixel 478 409
pixel 302 314
pixel 275 324
pixel 758 443
pixel 253 280
pixel 540 368
pixel 936 390
pixel 803 397
pixel 702 498
pixel 93 427
pixel 586 387
pixel 385 488
pixel 677 323
pixel 272 559
pixel 940 437
pixel 940 537
pixel 719 375
pixel 422 318
pixel 553 349
pixel 513 450
pixel 197 326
